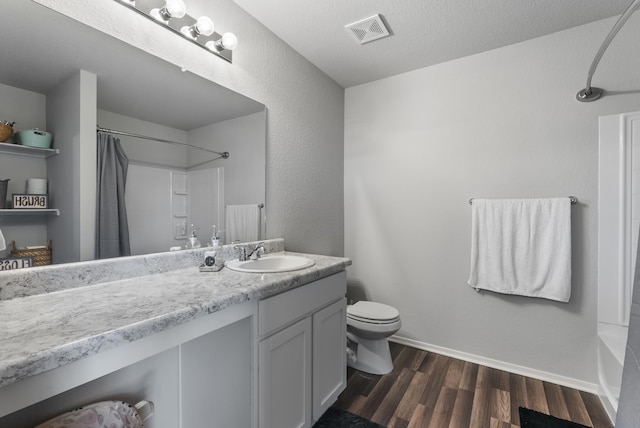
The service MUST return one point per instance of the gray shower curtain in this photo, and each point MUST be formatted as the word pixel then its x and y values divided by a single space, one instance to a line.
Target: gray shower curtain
pixel 628 415
pixel 112 228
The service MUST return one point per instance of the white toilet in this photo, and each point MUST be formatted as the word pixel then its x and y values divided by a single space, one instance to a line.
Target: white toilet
pixel 368 326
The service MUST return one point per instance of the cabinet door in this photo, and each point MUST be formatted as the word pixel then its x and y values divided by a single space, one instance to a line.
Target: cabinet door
pixel 285 377
pixel 329 356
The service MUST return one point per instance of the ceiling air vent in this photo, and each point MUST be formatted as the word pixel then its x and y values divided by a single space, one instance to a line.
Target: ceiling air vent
pixel 368 30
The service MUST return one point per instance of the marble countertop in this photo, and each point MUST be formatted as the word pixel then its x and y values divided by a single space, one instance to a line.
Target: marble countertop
pixel 45 331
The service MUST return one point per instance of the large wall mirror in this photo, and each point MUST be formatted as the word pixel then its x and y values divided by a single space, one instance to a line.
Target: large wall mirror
pixel 62 76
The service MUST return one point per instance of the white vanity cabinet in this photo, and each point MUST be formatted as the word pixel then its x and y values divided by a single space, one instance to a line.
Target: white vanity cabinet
pixel 301 353
pixel 191 343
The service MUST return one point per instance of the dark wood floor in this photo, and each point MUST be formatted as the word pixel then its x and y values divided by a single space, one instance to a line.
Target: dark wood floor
pixel 431 390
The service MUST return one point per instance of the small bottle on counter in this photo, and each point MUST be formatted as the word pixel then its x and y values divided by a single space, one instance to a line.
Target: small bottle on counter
pixel 192 241
pixel 216 249
pixel 216 246
pixel 213 260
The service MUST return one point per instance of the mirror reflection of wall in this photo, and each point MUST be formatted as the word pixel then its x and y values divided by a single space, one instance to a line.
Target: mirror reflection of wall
pixel 82 78
pixel 170 187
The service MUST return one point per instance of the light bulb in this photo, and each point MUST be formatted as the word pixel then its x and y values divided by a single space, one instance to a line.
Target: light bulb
pixel 204 26
pixel 228 41
pixel 176 8
pixel 171 9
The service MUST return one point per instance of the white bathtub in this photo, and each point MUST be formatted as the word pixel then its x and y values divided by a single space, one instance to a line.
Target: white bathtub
pixel 612 340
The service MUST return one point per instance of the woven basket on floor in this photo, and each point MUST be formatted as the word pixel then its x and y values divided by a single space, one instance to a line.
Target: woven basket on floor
pixel 41 255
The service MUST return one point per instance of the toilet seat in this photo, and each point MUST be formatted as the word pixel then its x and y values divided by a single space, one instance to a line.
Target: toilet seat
pixel 373 313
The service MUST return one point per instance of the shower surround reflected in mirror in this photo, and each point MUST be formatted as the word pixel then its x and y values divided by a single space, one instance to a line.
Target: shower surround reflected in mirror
pixel 63 66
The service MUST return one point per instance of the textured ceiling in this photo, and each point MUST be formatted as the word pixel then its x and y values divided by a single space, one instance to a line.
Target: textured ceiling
pixel 425 32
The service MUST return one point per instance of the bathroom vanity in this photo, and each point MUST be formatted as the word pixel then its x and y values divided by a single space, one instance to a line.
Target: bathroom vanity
pixel 209 349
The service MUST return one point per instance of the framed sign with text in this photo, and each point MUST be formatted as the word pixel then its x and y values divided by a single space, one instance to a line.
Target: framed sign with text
pixel 30 201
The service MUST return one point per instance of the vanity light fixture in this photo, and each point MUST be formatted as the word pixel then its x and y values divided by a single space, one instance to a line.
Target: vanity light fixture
pixel 172 14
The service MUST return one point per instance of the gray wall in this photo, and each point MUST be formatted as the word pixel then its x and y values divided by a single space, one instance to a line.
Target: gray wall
pixel 71 118
pixel 305 112
pixel 244 169
pixel 501 124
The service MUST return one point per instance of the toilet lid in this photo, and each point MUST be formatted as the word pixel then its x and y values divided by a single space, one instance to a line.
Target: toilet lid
pixel 373 311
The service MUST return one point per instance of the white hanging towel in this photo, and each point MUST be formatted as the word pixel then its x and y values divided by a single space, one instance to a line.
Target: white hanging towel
pixel 3 244
pixel 522 246
pixel 242 223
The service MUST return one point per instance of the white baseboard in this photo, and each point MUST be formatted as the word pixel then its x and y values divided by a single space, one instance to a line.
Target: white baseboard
pixel 608 404
pixel 500 365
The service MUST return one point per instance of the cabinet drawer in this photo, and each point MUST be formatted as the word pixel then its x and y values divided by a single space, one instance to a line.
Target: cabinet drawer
pixel 277 311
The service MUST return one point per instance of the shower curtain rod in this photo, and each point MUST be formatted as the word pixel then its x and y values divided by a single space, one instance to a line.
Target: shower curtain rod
pixel 589 94
pixel 223 155
pixel 572 199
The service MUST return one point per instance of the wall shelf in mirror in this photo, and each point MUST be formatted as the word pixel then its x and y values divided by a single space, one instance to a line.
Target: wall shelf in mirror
pixel 30 211
pixel 17 149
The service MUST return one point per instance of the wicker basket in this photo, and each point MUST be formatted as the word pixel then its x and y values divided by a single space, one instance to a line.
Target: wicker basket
pixel 41 255
pixel 5 132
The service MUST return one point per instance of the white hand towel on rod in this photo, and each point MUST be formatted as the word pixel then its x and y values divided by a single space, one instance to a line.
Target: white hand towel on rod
pixel 242 223
pixel 522 246
pixel 3 244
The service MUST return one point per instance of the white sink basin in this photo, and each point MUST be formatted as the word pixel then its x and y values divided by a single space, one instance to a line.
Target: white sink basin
pixel 271 263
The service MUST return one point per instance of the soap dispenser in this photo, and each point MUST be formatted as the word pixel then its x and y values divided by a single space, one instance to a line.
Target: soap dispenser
pixel 216 246
pixel 192 241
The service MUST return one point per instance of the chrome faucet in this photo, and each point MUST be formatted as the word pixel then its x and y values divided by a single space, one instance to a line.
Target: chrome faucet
pixel 255 253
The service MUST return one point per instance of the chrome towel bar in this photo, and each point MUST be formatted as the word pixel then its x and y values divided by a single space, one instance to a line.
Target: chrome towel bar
pixel 573 200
